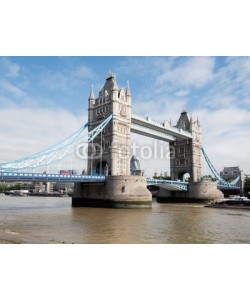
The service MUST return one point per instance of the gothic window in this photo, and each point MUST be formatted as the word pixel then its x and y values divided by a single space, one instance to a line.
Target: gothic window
pixel 181 150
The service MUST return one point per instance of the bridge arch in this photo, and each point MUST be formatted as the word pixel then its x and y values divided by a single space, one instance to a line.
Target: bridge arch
pixel 102 168
pixel 184 176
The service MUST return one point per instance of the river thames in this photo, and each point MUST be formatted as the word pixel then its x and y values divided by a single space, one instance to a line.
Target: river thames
pixel 49 220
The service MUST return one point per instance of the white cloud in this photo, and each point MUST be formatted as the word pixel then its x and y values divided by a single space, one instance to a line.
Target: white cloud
pixel 55 81
pixel 163 108
pixel 12 89
pixel 231 85
pixel 182 93
pixel 82 72
pixel 225 137
pixel 66 79
pixel 25 130
pixel 9 68
pixel 193 72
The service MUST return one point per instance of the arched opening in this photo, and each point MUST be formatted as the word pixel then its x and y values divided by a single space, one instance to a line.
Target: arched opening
pixel 104 170
pixel 184 176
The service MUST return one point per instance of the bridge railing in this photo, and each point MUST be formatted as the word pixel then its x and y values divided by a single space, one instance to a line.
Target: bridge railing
pixel 182 186
pixel 16 176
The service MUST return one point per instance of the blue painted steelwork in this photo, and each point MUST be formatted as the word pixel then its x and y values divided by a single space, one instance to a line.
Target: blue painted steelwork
pixel 40 177
pixel 235 181
pixel 180 185
pixel 57 152
pixel 27 177
pixel 227 187
pixel 212 168
pixel 221 181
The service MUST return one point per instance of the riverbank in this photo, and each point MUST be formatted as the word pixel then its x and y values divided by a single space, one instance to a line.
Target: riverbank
pixel 8 242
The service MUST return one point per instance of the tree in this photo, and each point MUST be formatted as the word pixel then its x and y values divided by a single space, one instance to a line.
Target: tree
pixel 208 177
pixel 7 187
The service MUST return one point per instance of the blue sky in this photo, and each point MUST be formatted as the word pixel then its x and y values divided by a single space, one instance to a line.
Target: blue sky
pixel 44 99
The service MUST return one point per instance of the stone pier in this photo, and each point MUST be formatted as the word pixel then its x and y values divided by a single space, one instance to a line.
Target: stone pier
pixel 198 192
pixel 116 192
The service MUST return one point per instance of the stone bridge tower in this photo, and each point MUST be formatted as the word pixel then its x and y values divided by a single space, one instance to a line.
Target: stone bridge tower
pixel 119 189
pixel 186 154
pixel 109 153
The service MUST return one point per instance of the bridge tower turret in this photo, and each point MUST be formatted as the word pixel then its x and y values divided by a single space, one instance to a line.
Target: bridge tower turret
pixel 91 103
pixel 186 156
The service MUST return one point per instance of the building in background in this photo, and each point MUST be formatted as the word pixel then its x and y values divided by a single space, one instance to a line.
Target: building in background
pixel 231 173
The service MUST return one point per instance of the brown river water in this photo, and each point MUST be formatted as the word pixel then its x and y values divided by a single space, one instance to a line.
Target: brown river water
pixel 42 220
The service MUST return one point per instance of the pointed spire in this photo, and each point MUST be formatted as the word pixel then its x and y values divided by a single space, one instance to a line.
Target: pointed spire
pixel 92 96
pixel 110 74
pixel 128 89
pixel 115 87
pixel 198 123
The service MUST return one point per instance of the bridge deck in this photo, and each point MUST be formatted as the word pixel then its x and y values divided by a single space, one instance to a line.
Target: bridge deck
pixel 39 177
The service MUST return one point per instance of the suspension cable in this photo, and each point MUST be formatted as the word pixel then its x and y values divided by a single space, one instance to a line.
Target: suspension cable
pixel 101 155
pixel 212 168
pixel 58 152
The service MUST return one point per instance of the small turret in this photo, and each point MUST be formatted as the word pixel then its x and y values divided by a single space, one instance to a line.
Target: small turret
pixel 128 93
pixel 92 95
pixel 198 122
pixel 91 104
pixel 115 87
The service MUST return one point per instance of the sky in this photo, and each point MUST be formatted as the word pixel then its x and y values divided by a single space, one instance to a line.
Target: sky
pixel 44 99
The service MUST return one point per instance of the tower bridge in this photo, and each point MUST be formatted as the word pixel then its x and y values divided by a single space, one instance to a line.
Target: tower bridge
pixel 108 181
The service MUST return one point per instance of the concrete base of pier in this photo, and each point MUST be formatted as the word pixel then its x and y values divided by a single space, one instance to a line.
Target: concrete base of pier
pixel 204 190
pixel 117 192
pixel 198 192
